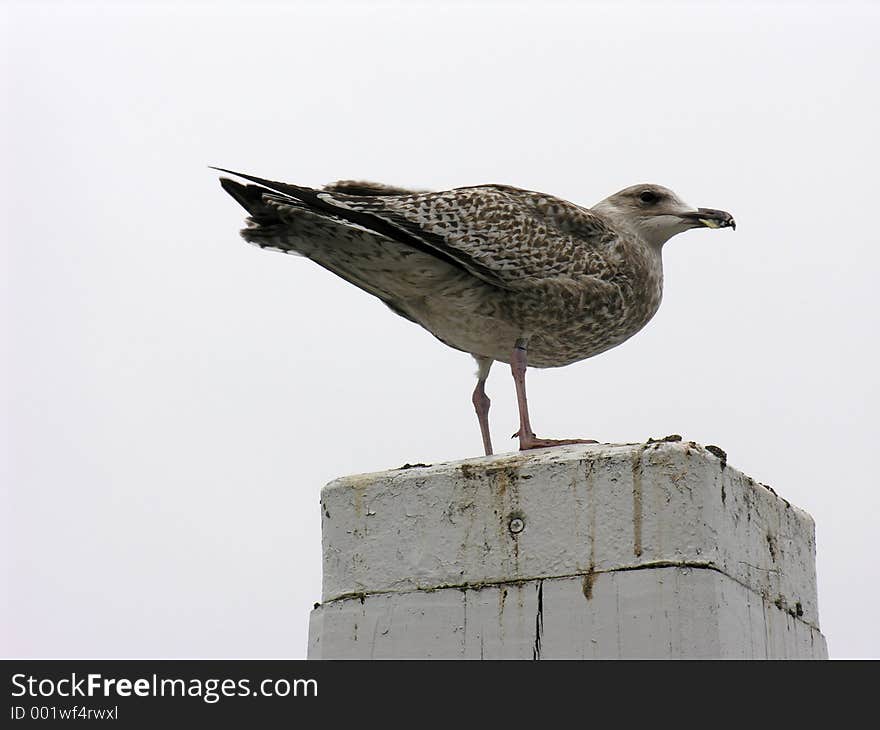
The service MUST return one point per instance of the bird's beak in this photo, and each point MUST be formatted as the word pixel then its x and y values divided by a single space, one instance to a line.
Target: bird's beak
pixel 710 218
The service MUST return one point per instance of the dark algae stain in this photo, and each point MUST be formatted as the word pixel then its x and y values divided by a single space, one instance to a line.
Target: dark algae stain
pixel 637 502
pixel 771 545
pixel 589 581
pixel 670 439
pixel 719 452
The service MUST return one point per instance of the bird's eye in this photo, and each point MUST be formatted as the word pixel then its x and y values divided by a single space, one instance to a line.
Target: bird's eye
pixel 647 196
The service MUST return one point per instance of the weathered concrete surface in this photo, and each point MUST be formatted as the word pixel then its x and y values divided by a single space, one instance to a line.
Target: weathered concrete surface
pixel 656 549
pixel 657 613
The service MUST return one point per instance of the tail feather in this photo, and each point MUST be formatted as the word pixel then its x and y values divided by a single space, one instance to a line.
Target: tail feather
pixel 365 251
pixel 317 202
pixel 246 195
pixel 250 197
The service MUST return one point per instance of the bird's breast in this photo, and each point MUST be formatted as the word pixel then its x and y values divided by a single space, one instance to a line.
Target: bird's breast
pixel 565 318
pixel 581 324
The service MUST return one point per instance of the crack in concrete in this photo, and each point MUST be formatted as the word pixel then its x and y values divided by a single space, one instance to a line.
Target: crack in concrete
pixel 539 622
pixel 591 573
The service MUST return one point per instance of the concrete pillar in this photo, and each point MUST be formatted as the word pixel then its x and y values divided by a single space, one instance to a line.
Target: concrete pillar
pixel 646 550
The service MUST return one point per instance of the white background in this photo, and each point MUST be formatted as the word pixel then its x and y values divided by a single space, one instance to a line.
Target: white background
pixel 176 399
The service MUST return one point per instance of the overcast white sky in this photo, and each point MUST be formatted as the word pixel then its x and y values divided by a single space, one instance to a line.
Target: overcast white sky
pixel 176 398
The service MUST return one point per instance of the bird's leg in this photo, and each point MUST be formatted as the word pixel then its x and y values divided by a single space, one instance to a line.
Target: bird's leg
pixel 518 368
pixel 481 401
pixel 527 438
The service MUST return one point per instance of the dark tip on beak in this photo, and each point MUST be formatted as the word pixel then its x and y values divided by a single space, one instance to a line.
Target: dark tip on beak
pixel 711 218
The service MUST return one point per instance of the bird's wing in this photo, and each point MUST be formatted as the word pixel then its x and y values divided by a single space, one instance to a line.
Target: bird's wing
pixel 503 235
pixel 361 187
pixel 511 233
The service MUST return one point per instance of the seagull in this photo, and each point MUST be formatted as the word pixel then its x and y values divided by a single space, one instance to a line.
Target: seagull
pixel 502 273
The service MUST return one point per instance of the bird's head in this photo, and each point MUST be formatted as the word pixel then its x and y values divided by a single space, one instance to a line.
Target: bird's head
pixel 657 214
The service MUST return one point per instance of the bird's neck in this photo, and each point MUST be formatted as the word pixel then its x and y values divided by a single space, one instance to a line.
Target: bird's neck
pixel 653 232
pixel 642 283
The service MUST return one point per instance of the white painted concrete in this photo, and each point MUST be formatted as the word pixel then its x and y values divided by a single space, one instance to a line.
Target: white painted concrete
pixel 645 550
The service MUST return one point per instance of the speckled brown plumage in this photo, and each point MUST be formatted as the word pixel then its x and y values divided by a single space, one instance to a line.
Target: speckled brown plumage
pixel 488 267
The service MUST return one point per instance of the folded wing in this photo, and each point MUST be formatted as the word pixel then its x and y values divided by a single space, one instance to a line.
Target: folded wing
pixel 500 234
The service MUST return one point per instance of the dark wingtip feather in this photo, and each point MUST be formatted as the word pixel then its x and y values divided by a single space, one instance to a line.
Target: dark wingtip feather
pixel 248 197
pixel 280 187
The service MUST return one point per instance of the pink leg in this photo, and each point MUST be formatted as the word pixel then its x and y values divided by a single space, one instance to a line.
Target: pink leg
pixel 527 439
pixel 481 402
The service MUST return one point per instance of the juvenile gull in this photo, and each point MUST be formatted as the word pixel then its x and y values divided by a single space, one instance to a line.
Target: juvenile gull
pixel 496 271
